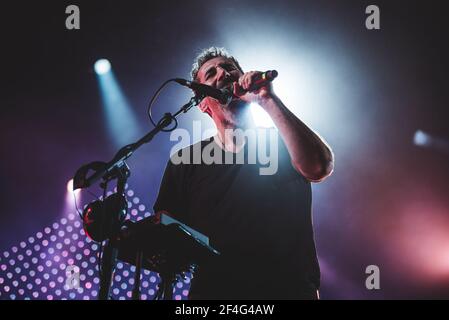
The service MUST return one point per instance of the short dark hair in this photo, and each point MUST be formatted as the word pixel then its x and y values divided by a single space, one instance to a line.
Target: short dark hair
pixel 208 54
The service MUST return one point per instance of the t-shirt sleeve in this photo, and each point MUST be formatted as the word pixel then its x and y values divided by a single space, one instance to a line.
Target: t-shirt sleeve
pixel 171 197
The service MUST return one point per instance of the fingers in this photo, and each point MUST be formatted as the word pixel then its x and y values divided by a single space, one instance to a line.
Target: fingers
pixel 238 90
pixel 247 80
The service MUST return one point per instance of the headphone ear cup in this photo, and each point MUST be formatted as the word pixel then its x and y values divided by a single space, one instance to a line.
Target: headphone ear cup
pixel 117 205
pixel 93 221
pixel 103 219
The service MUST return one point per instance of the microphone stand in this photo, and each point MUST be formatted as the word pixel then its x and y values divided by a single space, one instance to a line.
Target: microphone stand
pixel 118 169
pixel 107 170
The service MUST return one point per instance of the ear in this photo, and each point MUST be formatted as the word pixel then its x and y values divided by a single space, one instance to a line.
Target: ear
pixel 203 106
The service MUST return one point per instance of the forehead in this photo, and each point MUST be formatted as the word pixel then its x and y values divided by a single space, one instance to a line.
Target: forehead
pixel 213 62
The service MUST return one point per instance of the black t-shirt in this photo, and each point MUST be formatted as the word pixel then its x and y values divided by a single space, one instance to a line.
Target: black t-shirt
pixel 261 224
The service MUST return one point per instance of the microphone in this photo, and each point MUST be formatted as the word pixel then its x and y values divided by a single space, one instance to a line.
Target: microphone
pixel 224 96
pixel 259 81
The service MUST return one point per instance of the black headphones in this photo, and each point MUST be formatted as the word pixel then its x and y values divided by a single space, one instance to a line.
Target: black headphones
pixel 102 219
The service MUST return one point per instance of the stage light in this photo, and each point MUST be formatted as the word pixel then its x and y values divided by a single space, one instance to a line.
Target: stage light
pixel 70 198
pixel 421 138
pixel 102 66
pixel 260 116
pixel 423 238
pixel 318 81
pixel 70 185
pixel 120 119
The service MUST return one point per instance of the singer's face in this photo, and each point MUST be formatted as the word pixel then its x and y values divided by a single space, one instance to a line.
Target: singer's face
pixel 220 73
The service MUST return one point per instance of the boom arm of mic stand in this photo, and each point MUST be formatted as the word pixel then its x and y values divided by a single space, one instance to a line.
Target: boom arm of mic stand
pixel 80 182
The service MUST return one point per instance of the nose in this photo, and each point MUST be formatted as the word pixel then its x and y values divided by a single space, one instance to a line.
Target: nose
pixel 222 73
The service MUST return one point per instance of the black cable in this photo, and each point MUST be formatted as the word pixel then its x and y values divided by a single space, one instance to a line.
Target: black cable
pixel 100 249
pixel 150 106
pixel 76 206
pixel 160 292
pixel 100 257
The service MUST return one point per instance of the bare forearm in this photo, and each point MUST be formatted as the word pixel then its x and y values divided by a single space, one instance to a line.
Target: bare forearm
pixel 309 154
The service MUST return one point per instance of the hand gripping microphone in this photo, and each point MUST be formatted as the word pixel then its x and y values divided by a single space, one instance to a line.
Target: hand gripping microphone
pixel 224 96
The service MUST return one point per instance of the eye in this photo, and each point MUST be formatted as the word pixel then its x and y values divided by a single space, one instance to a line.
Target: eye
pixel 229 67
pixel 209 73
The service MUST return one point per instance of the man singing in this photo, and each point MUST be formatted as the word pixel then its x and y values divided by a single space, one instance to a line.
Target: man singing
pixel 260 223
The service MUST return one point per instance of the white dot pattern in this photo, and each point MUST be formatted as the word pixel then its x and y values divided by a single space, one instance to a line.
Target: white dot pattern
pixel 36 268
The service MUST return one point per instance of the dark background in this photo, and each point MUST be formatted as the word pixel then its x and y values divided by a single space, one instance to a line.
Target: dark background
pixel 386 203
